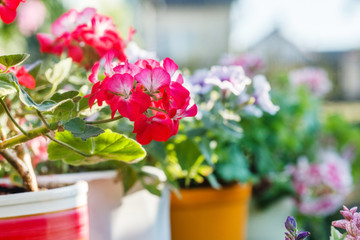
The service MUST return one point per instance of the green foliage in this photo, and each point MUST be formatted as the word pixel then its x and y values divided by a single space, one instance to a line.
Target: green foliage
pixel 6 87
pixel 336 235
pixel 234 165
pixel 58 73
pixel 79 129
pixel 13 60
pixel 106 146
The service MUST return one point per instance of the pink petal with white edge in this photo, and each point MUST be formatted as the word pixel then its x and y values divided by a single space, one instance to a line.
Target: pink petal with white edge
pixel 144 77
pixel 127 67
pixel 180 79
pixel 94 73
pixel 160 79
pixel 65 23
pixel 147 63
pixel 109 56
pixel 170 66
pixel 121 84
pixel 85 16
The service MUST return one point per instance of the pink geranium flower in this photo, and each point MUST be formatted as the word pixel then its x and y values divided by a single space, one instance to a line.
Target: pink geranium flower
pixel 8 10
pixel 86 36
pixel 315 79
pixel 149 92
pixel 322 186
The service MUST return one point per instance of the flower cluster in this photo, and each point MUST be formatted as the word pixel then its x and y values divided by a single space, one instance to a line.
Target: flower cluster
pixel 321 186
pixel 8 10
pixel 233 80
pixel 293 233
pixel 86 36
pixel 315 79
pixel 148 92
pixel 351 223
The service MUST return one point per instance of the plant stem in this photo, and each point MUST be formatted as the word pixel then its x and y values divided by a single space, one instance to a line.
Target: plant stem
pixel 43 119
pixel 11 117
pixel 157 109
pixel 104 121
pixel 68 146
pixel 27 174
pixel 31 135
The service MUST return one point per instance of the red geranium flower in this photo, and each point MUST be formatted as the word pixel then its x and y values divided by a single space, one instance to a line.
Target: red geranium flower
pixel 8 10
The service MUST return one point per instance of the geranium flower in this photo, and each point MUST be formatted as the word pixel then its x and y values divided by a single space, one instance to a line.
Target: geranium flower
pixel 158 128
pixel 322 186
pixel 315 79
pixel 8 10
pixel 230 78
pixel 86 36
pixel 261 96
pixel 149 92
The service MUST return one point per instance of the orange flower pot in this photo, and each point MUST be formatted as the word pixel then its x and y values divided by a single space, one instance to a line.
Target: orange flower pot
pixel 210 214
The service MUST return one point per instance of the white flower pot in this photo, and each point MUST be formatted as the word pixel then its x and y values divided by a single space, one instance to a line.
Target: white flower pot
pixel 55 214
pixel 137 216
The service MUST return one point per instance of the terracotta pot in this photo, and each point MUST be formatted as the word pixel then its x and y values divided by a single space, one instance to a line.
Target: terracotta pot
pixel 55 214
pixel 206 213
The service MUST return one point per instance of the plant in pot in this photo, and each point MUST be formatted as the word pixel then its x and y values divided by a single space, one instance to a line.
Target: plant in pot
pixel 205 159
pixel 148 93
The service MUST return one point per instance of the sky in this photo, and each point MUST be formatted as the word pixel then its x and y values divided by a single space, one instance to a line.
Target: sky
pixel 316 25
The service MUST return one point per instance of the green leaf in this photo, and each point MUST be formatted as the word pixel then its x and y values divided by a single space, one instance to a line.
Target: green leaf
pixel 12 60
pixel 58 73
pixel 79 129
pixel 106 146
pixel 6 87
pixel 129 177
pixel 187 153
pixel 336 235
pixel 58 97
pixel 233 166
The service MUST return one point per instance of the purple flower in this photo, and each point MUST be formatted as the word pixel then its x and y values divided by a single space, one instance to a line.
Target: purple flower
pixel 230 78
pixel 197 82
pixel 262 98
pixel 293 234
pixel 290 224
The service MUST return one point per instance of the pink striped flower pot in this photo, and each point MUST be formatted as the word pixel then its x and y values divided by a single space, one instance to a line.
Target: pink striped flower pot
pixel 55 214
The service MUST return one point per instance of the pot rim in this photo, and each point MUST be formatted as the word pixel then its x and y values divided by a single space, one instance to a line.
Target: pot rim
pixel 79 188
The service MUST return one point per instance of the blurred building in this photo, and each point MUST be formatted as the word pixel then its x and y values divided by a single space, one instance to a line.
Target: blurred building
pixel 279 54
pixel 282 55
pixel 195 33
